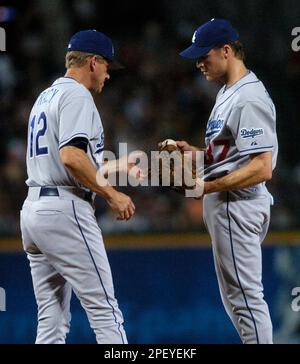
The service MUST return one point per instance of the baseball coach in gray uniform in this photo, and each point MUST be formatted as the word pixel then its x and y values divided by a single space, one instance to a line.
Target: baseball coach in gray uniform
pixel 241 152
pixel 60 234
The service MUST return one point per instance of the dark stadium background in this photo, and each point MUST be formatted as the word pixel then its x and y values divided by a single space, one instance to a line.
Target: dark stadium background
pixel 161 260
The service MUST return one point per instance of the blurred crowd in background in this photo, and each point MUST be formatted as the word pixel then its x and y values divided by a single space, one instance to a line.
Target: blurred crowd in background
pixel 159 95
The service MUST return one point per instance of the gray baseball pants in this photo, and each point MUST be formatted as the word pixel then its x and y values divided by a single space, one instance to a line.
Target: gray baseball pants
pixel 237 228
pixel 66 252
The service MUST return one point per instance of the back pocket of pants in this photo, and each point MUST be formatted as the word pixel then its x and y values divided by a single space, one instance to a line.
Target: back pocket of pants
pixel 48 212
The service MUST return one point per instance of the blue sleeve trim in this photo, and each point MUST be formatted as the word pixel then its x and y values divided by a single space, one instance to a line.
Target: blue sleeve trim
pixel 255 149
pixel 78 142
pixel 84 135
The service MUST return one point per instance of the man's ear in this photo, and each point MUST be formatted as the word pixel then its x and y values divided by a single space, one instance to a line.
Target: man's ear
pixel 226 50
pixel 93 61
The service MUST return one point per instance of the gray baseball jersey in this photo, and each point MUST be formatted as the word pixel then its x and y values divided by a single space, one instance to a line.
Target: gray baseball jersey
pixel 63 112
pixel 242 122
pixel 60 233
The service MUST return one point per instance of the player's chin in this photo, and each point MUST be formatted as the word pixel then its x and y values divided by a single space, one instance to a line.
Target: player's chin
pixel 209 77
pixel 99 88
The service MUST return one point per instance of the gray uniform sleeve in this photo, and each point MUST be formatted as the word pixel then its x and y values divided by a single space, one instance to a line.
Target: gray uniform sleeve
pixel 75 121
pixel 253 127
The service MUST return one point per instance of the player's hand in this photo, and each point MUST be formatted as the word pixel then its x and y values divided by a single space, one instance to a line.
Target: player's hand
pixel 184 146
pixel 128 164
pixel 199 189
pixel 122 205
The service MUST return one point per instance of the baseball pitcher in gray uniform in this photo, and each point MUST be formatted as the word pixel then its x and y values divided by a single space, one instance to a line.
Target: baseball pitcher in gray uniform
pixel 60 234
pixel 241 152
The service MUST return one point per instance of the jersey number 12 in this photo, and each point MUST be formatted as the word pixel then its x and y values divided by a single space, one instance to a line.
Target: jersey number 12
pixel 37 132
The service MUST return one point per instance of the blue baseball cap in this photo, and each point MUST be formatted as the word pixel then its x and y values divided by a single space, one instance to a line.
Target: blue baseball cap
pixel 209 35
pixel 92 41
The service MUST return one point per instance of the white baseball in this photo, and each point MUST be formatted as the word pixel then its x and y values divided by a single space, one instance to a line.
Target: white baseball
pixel 168 142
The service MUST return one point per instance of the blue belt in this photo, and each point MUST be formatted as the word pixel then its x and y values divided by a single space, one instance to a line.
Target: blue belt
pixel 53 191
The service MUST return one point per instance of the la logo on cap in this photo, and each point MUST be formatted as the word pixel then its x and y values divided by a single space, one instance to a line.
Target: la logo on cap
pixel 194 37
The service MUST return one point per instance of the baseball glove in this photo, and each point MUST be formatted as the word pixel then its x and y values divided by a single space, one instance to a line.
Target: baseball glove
pixel 174 168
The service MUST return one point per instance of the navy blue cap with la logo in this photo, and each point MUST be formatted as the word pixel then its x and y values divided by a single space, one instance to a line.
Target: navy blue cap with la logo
pixel 209 35
pixel 92 41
